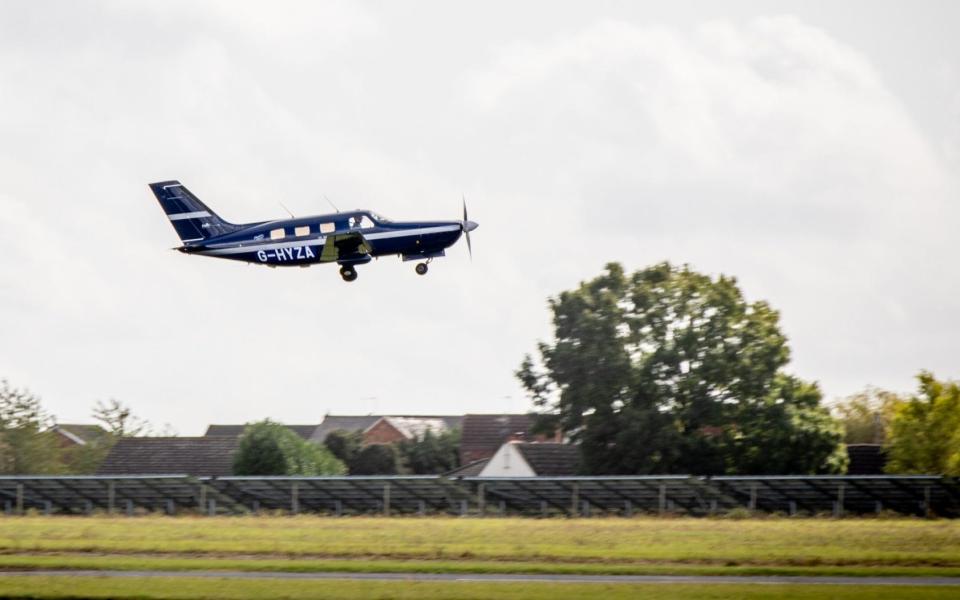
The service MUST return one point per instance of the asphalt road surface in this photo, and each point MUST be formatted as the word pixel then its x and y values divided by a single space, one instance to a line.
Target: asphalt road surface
pixel 508 578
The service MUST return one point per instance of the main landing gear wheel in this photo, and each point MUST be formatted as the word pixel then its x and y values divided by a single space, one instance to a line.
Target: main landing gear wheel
pixel 422 268
pixel 348 273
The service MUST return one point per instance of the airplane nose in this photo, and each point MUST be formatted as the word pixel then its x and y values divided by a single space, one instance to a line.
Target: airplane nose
pixel 470 226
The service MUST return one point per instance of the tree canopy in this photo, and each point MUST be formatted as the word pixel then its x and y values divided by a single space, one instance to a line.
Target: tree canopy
pixel 866 415
pixel 269 448
pixel 431 453
pixel 924 432
pixel 376 459
pixel 670 371
pixel 27 445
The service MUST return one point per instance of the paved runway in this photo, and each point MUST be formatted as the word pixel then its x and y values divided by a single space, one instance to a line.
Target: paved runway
pixel 509 578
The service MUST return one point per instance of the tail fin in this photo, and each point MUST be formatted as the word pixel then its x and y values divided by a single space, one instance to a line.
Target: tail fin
pixel 191 218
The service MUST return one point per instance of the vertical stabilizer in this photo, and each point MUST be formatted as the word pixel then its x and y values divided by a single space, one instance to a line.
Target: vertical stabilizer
pixel 191 218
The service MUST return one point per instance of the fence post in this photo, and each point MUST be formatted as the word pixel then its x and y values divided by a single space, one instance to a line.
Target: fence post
pixel 88 507
pixel 338 507
pixel 543 508
pixel 464 505
pixel 111 497
pixel 928 510
pixel 482 498
pixel 585 510
pixel 840 491
pixel 202 503
pixel 294 498
pixel 663 499
pixel 503 508
pixel 793 508
pixel 171 507
pixel 212 507
pixel 129 507
pixel 386 499
pixel 627 508
pixel 422 508
pixel 47 507
pixel 575 500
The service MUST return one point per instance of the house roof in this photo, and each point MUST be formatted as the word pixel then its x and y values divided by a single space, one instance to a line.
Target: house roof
pixel 199 456
pixel 80 433
pixel 333 423
pixel 416 427
pixel 470 470
pixel 364 422
pixel 549 459
pixel 486 433
pixel 304 431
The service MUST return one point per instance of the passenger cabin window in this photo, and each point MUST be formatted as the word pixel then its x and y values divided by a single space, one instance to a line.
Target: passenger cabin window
pixel 327 228
pixel 302 231
pixel 277 234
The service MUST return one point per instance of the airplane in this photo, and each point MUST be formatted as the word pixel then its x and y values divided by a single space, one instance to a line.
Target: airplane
pixel 348 238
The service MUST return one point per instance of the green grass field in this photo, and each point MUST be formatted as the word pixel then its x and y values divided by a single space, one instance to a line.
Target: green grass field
pixel 637 546
pixel 654 546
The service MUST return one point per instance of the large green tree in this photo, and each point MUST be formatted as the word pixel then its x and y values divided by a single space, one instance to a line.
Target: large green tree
pixel 27 444
pixel 669 370
pixel 269 448
pixel 924 434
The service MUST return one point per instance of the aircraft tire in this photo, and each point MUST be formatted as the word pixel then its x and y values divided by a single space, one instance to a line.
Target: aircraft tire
pixel 421 268
pixel 348 273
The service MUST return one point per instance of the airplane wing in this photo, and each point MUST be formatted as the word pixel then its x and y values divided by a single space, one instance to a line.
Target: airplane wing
pixel 343 246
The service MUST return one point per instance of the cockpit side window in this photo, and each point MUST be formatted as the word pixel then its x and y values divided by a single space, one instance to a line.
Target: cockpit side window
pixel 360 222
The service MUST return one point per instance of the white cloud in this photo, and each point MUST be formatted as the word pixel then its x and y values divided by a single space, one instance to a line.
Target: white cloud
pixel 766 150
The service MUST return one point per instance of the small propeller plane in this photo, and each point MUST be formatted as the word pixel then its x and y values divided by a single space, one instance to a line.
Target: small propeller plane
pixel 347 238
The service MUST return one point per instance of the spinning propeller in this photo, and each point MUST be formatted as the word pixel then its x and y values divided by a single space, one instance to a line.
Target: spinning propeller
pixel 467 226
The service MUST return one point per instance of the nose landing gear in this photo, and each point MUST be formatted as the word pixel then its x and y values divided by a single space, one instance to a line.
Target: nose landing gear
pixel 421 268
pixel 348 273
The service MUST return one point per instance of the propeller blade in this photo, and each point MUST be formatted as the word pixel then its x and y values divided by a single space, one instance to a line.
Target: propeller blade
pixel 465 225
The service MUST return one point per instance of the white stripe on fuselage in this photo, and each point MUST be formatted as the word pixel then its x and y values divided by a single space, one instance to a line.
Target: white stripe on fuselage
pixel 222 249
pixel 199 214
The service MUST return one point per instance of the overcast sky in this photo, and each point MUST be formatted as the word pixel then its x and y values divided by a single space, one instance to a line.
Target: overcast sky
pixel 810 149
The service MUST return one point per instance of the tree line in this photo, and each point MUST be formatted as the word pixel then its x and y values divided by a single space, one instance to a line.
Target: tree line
pixel 29 443
pixel 269 448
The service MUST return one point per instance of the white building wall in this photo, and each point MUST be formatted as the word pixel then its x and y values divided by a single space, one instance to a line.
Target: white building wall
pixel 507 462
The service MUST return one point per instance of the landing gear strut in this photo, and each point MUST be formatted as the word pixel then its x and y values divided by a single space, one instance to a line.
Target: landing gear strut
pixel 421 268
pixel 348 273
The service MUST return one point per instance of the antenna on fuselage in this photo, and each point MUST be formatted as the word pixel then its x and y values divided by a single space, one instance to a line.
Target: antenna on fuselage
pixel 331 203
pixel 286 209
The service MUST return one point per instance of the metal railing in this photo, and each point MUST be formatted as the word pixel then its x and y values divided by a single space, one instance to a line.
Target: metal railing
pixel 922 495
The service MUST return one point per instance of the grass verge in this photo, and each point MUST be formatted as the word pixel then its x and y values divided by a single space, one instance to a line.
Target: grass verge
pixel 159 563
pixel 187 588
